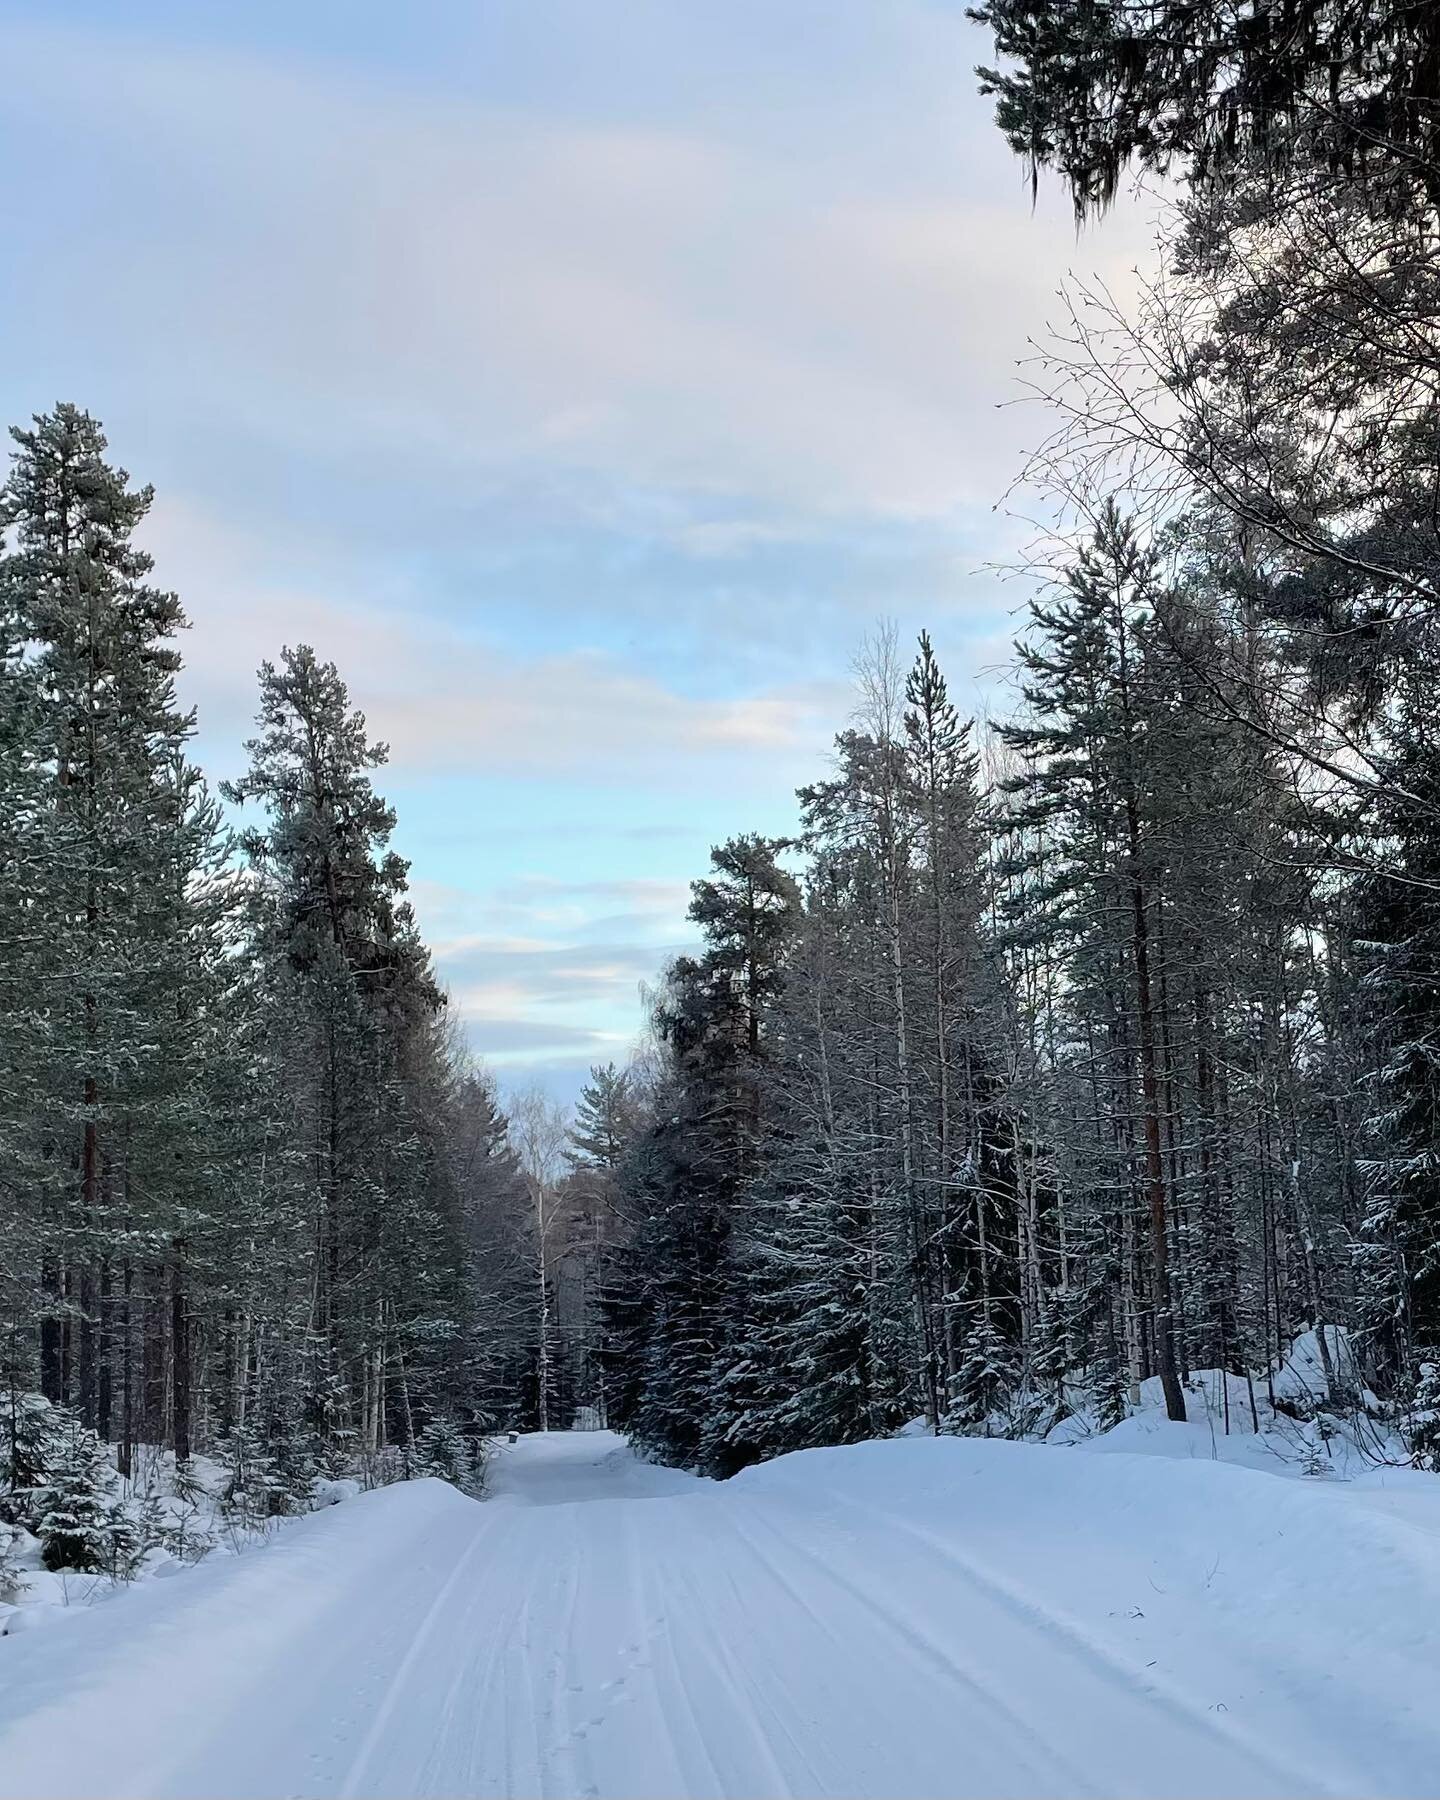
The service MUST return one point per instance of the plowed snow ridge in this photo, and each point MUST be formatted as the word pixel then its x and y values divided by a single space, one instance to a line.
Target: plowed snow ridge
pixel 894 1619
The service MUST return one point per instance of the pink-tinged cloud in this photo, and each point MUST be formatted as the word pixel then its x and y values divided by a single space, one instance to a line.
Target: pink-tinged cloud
pixel 350 264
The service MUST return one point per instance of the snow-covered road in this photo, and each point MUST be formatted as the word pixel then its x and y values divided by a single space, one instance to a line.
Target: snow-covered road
pixel 895 1619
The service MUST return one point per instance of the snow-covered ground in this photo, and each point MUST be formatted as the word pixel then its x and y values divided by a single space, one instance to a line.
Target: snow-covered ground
pixel 952 1617
pixel 190 1525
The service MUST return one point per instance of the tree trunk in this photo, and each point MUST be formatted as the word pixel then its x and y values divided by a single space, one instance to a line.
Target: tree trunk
pixel 180 1396
pixel 104 1380
pixel 52 1374
pixel 1154 1159
pixel 127 1384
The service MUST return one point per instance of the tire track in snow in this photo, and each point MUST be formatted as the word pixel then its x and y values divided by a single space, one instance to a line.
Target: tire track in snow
pixel 1051 1771
pixel 620 1686
pixel 1055 1625
pixel 565 1744
pixel 743 1695
pixel 768 1700
pixel 782 1675
pixel 491 1624
pixel 664 1640
pixel 353 1785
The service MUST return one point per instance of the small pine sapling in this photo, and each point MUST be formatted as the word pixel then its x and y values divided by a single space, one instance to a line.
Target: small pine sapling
pixel 75 1508
pixel 12 1576
pixel 31 1437
pixel 248 1497
pixel 983 1381
pixel 137 1527
pixel 293 1473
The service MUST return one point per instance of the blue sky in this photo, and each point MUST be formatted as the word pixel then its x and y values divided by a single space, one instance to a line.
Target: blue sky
pixel 585 377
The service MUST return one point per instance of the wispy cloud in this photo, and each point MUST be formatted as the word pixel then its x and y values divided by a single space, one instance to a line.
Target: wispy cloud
pixel 583 379
pixel 668 308
pixel 499 1040
pixel 540 967
pixel 444 696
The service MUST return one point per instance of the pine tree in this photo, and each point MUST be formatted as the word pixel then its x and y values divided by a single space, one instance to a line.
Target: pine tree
pixel 356 980
pixel 23 1031
pixel 1088 781
pixel 231 1204
pixel 604 1120
pixel 1086 89
pixel 105 741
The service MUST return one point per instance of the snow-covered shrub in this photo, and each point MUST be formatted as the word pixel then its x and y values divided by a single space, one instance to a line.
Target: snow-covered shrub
pixel 379 1468
pixel 157 1526
pixel 75 1510
pixel 12 1579
pixel 1422 1420
pixel 187 1483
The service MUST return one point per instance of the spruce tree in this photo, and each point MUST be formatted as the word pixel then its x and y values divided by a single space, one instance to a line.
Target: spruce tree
pixel 75 1509
pixel 1088 782
pixel 1398 931
pixel 349 966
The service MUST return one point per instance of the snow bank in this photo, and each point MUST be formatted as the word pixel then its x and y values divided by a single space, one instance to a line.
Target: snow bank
pixel 182 1517
pixel 1305 1613
pixel 148 1674
pixel 1231 1419
pixel 953 1617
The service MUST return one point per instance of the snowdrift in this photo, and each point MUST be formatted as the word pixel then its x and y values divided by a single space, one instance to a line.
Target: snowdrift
pixel 1306 1614
pixel 98 1704
pixel 1231 1418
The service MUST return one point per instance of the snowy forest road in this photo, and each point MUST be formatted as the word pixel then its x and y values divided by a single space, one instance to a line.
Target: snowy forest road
pixel 863 1622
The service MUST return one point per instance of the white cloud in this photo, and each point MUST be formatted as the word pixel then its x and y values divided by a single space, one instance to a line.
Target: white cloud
pixel 340 264
pixel 523 999
pixel 685 328
pixel 444 698
pixel 502 1039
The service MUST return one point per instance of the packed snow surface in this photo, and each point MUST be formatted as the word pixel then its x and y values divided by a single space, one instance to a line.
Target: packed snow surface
pixel 905 1618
